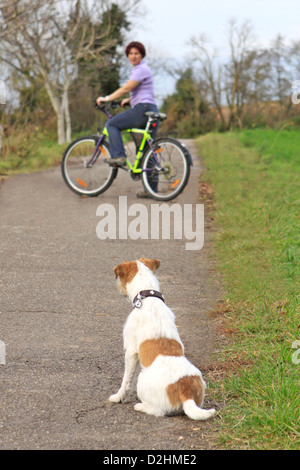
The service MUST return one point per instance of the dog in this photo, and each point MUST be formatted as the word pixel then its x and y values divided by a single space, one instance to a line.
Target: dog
pixel 168 383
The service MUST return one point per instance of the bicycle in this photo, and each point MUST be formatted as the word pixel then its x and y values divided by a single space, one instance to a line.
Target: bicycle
pixel 162 164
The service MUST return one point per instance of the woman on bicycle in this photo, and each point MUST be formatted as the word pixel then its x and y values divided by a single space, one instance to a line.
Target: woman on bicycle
pixel 141 90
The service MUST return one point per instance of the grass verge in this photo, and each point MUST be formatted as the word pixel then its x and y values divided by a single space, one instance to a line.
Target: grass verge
pixel 255 178
pixel 33 152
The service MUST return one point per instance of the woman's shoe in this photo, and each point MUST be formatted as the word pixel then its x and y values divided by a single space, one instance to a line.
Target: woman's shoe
pixel 121 161
pixel 143 195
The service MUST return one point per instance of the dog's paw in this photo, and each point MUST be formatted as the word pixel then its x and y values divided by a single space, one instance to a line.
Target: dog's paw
pixel 116 398
pixel 139 407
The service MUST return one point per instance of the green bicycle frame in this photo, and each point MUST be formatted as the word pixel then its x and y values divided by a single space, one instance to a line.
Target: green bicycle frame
pixel 146 136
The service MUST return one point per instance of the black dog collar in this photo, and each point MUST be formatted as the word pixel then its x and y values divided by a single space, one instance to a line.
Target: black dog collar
pixel 137 301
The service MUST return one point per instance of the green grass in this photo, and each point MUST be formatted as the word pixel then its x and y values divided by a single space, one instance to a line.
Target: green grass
pixel 35 151
pixel 29 153
pixel 256 180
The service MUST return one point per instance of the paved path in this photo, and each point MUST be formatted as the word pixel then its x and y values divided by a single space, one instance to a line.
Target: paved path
pixel 61 318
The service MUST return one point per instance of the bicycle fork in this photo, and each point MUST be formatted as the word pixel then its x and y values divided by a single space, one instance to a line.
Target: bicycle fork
pixel 96 154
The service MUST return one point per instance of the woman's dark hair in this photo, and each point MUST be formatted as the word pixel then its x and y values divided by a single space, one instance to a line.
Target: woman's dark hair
pixel 138 46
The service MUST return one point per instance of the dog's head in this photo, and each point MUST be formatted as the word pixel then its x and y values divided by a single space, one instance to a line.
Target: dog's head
pixel 126 272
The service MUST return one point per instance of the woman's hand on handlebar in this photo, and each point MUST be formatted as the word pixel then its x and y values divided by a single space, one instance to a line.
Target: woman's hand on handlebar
pixel 102 103
pixel 101 100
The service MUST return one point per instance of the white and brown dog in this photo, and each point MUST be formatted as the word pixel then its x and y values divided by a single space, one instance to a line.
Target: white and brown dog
pixel 168 383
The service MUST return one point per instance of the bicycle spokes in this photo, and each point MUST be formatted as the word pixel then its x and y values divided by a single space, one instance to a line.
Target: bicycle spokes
pixel 165 170
pixel 83 166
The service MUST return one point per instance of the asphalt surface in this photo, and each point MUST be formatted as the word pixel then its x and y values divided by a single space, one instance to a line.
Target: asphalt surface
pixel 61 318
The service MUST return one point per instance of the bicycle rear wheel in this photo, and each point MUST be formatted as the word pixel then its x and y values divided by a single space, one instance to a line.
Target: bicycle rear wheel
pixel 83 173
pixel 165 178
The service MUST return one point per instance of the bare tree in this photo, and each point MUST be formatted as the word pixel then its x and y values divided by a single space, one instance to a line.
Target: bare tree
pixel 237 80
pixel 295 59
pixel 13 16
pixel 212 72
pixel 239 69
pixel 44 40
pixel 280 59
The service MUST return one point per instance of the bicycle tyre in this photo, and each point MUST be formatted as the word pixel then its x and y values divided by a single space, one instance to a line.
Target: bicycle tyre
pixel 82 179
pixel 170 182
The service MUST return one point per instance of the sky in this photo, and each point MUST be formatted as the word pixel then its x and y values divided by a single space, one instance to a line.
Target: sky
pixel 168 25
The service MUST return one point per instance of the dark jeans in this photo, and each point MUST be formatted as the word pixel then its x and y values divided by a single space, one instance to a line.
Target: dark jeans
pixel 133 118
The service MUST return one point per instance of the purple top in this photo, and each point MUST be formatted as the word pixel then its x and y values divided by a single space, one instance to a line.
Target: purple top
pixel 144 92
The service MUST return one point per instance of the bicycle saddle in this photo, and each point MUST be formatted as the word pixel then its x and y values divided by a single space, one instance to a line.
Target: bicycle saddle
pixel 153 114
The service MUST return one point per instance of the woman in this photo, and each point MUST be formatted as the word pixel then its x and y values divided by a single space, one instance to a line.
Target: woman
pixel 141 89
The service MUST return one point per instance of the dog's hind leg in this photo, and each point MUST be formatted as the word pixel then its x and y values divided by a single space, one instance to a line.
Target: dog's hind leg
pixel 142 407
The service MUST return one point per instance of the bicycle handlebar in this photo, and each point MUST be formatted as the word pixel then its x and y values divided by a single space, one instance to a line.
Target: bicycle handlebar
pixel 108 104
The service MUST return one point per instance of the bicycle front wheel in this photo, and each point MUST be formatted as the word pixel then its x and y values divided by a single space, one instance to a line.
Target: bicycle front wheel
pixel 84 170
pixel 166 174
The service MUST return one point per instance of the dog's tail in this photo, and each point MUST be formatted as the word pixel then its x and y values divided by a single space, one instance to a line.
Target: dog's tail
pixel 194 412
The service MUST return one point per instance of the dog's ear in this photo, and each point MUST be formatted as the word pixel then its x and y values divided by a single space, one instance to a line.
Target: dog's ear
pixel 118 270
pixel 121 269
pixel 152 264
pixel 126 271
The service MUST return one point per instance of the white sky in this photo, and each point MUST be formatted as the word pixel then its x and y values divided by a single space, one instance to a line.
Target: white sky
pixel 169 24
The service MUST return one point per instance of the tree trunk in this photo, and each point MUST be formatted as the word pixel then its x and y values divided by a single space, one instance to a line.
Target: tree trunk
pixel 59 109
pixel 67 117
pixel 1 134
pixel 61 136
